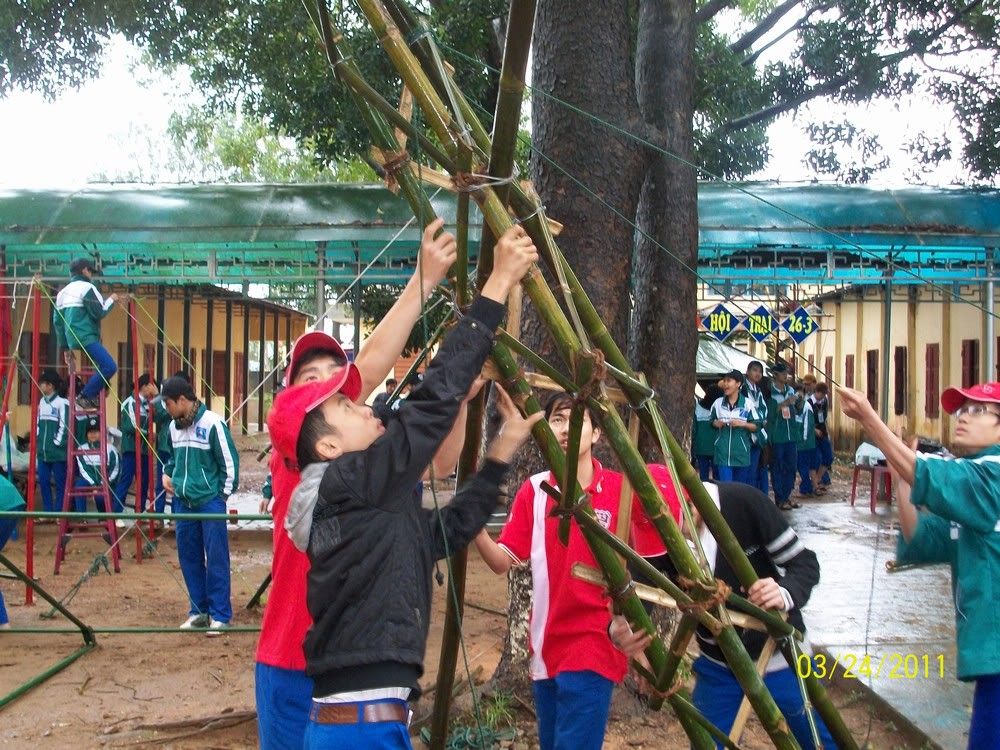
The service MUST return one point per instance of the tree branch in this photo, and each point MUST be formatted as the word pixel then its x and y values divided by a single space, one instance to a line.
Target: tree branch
pixel 797 26
pixel 770 21
pixel 834 84
pixel 709 10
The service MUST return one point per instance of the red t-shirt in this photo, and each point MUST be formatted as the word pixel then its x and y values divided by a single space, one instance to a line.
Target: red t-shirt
pixel 286 617
pixel 570 617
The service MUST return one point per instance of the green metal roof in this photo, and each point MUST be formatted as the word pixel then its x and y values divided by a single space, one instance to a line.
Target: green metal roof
pixel 752 232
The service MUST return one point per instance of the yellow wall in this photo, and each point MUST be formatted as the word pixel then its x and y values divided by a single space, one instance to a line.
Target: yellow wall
pixel 854 325
pixel 114 330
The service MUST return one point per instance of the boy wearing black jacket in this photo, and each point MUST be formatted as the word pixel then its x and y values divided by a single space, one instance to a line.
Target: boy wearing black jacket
pixel 788 572
pixel 370 543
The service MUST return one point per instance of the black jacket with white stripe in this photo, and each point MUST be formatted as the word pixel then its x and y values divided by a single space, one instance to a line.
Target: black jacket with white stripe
pixel 774 550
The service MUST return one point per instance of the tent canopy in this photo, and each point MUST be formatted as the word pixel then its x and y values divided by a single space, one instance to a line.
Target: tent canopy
pixel 749 232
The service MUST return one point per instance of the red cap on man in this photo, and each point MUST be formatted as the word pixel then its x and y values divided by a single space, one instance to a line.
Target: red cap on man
pixel 307 342
pixel 288 412
pixel 953 398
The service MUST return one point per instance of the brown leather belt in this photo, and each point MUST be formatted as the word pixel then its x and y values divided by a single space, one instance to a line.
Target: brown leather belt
pixel 359 713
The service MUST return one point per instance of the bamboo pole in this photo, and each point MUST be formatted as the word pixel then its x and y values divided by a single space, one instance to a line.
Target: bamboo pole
pixel 454 610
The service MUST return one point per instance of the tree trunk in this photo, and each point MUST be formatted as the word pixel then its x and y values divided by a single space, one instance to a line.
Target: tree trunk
pixel 664 340
pixel 581 54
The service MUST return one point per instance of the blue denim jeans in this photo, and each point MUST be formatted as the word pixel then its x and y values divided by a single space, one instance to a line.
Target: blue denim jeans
pixel 718 695
pixel 7 526
pixel 783 466
pixel 382 735
pixel 572 710
pixel 126 475
pixel 47 472
pixel 984 732
pixel 733 474
pixel 824 449
pixel 706 468
pixel 284 697
pixel 203 552
pixel 105 369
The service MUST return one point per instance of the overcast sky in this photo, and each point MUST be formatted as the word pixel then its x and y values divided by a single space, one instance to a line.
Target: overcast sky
pixel 119 119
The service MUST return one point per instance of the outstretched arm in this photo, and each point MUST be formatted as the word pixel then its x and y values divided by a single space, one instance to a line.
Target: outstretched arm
pixel 901 458
pixel 383 347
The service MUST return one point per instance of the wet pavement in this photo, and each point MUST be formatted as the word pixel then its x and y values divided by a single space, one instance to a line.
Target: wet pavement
pixel 902 621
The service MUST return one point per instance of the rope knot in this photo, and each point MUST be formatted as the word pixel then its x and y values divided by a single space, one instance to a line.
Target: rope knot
pixel 707 595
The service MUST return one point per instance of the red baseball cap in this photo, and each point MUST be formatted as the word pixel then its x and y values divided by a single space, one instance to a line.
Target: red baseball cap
pixel 953 398
pixel 288 412
pixel 307 342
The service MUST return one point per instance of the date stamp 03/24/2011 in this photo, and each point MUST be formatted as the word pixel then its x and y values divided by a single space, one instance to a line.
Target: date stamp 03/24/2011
pixel 893 666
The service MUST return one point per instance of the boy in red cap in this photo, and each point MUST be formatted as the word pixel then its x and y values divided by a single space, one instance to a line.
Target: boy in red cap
pixel 960 526
pixel 578 651
pixel 371 545
pixel 283 690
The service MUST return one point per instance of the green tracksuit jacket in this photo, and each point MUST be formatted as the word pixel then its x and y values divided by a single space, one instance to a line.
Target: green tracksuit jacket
pixel 53 428
pixel 76 318
pixel 962 528
pixel 204 463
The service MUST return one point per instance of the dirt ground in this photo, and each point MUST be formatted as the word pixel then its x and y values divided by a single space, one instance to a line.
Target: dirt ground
pixel 184 690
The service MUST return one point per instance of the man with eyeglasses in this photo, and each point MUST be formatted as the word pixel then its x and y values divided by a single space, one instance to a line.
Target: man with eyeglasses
pixel 949 512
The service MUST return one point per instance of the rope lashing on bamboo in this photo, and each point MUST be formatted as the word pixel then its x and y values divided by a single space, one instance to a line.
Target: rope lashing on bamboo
pixel 470 182
pixel 716 595
pixel 650 690
pixel 591 388
pixel 617 596
pixel 394 162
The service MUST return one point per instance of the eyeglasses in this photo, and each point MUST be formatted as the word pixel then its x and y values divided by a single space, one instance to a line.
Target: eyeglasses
pixel 975 410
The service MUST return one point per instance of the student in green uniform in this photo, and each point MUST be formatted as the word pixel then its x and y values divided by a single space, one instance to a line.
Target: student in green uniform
pixel 755 388
pixel 807 456
pixel 76 321
pixel 781 433
pixel 161 421
pixel 202 473
pixel 949 512
pixel 88 468
pixel 735 417
pixel 703 433
pixel 10 499
pixel 53 435
pixel 147 392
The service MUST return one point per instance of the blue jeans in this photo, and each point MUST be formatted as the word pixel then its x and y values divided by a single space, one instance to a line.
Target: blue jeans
pixel 718 695
pixel 7 526
pixel 824 449
pixel 284 697
pixel 705 467
pixel 383 735
pixel 105 366
pixel 160 503
pixel 203 552
pixel 734 474
pixel 572 710
pixel 80 503
pixel 758 472
pixel 783 470
pixel 984 731
pixel 807 461
pixel 47 471
pixel 126 475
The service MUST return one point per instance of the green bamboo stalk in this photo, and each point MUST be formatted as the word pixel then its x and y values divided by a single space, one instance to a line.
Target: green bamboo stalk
pixel 685 631
pixel 52 671
pixel 85 630
pixel 507 116
pixel 684 707
pixel 458 564
pixel 542 366
pixel 413 75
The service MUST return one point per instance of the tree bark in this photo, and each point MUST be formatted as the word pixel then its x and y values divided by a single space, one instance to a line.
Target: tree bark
pixel 581 54
pixel 663 343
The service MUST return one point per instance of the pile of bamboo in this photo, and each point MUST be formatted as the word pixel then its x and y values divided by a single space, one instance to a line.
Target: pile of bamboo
pixel 480 167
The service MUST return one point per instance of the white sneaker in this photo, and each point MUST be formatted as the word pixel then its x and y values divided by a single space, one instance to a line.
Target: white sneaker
pixel 195 621
pixel 216 627
pixel 119 523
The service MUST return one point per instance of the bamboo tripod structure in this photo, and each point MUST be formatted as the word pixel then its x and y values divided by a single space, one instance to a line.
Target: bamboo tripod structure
pixel 479 167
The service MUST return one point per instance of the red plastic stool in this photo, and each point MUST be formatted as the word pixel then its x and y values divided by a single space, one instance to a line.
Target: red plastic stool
pixel 879 477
